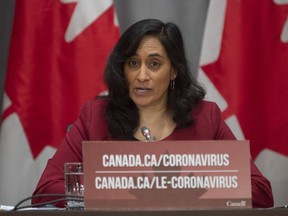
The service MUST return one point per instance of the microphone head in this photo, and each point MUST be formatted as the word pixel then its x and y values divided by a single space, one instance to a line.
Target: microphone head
pixel 146 133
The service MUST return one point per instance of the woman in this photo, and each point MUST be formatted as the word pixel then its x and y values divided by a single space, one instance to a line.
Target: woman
pixel 150 85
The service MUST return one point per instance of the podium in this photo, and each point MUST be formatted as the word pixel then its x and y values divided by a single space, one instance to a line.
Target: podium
pixel 171 175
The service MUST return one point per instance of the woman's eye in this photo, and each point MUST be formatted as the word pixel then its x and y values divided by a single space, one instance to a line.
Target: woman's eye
pixel 155 64
pixel 133 63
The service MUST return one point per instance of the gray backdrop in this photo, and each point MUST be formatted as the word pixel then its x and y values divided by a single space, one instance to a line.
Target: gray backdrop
pixel 6 19
pixel 188 14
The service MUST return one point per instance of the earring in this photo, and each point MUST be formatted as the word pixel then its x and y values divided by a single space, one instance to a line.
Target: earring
pixel 172 84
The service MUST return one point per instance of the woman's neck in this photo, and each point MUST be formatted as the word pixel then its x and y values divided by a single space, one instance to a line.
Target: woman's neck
pixel 158 121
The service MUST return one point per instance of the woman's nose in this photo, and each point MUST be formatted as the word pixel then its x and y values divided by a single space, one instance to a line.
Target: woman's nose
pixel 143 73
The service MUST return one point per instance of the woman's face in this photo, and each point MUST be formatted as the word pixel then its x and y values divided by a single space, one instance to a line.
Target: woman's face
pixel 148 74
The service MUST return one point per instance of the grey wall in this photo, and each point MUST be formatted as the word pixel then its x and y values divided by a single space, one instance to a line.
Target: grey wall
pixel 189 15
pixel 6 20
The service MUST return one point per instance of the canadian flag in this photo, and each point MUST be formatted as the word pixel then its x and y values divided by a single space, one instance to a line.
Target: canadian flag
pixel 244 64
pixel 56 59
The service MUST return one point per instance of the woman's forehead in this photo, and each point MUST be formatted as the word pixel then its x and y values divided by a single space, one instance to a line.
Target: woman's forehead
pixel 151 46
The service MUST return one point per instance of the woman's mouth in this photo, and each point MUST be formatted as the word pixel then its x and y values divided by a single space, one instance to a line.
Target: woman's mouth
pixel 142 90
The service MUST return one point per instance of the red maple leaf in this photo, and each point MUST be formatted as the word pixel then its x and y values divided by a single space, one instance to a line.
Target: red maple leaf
pixel 251 72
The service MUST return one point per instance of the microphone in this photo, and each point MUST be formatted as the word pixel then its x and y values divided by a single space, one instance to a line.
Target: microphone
pixel 146 133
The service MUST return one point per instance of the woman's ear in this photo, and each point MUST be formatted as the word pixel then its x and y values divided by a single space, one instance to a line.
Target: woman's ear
pixel 173 74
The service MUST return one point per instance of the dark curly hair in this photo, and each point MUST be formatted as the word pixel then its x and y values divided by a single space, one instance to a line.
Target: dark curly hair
pixel 121 112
